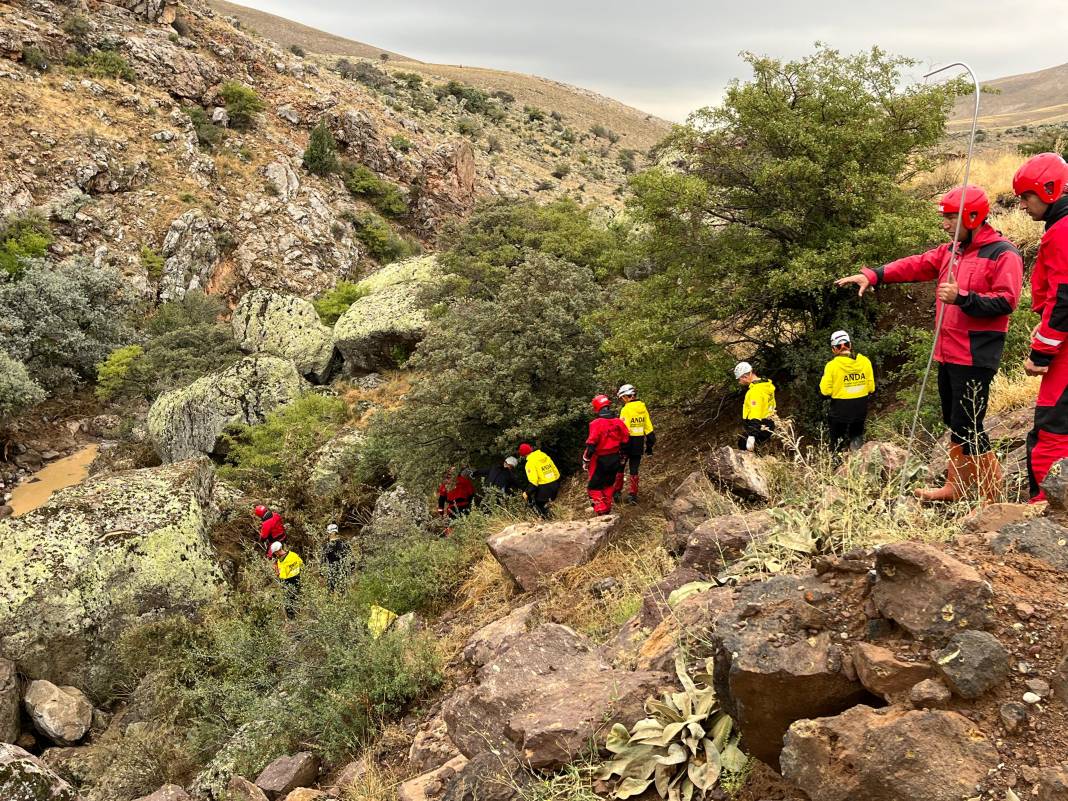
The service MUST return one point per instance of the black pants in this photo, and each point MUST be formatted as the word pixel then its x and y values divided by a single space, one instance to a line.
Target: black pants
pixel 761 429
pixel 964 391
pixel 605 468
pixel 633 450
pixel 290 595
pixel 846 422
pixel 542 495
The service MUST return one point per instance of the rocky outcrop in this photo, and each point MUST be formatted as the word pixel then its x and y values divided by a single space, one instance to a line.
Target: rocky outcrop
pixel 382 328
pixel 168 792
pixel 489 777
pixel 882 673
pixel 62 714
pixel 689 506
pixel 397 513
pixel 287 327
pixel 287 773
pixel 162 11
pixel 190 255
pixel 739 473
pixel 1039 537
pixel 10 699
pixel 23 777
pixel 928 592
pixel 717 542
pixel 182 73
pixel 241 789
pixel 334 462
pixel 191 420
pixel 532 552
pixel 490 641
pixel 887 755
pixel 97 558
pixel 445 187
pixel 432 784
pixel 544 699
pixel 431 747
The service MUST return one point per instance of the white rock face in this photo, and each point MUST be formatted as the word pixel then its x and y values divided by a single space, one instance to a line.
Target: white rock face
pixel 287 327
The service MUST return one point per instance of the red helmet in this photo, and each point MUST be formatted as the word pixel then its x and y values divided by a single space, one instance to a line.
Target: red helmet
pixel 525 450
pixel 600 401
pixel 1044 174
pixel 976 205
pixel 260 511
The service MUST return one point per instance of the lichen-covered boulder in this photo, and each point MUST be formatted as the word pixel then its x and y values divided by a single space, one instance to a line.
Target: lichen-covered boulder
pixel 23 777
pixel 10 698
pixel 191 420
pixel 102 556
pixel 334 462
pixel 287 327
pixel 381 328
pixel 190 255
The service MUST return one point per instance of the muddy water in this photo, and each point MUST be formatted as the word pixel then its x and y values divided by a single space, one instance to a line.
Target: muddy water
pixel 56 475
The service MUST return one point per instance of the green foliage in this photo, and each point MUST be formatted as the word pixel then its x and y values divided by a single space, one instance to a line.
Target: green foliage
pixel 602 132
pixel 106 64
pixel 793 181
pixel 401 143
pixel 297 50
pixel 152 263
pixel 18 391
pixel 533 113
pixel 380 239
pixel 335 302
pixel 61 320
pixel 139 763
pixel 1049 140
pixel 242 104
pixel 208 133
pixel 480 252
pixel 35 58
pixel 469 126
pixel 384 195
pixel 320 157
pixel 495 369
pixel 413 80
pixel 113 372
pixel 474 100
pixel 627 160
pixel 366 73
pixel 76 27
pixel 493 144
pixel 23 237
pixel 561 170
pixel 507 98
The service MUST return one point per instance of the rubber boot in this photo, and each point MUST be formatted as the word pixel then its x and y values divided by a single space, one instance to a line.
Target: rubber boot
pixel 617 488
pixel 602 501
pixel 989 478
pixel 960 472
pixel 632 490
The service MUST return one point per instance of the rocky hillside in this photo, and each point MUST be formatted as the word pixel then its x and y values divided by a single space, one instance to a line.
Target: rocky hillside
pixel 1033 98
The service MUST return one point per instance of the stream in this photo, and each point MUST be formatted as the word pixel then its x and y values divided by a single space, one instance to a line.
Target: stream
pixel 65 472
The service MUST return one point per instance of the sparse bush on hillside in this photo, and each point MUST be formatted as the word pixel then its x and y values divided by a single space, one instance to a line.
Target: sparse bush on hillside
pixel 320 157
pixel 544 185
pixel 381 241
pixel 561 170
pixel 242 104
pixel 493 144
pixel 335 302
pixel 77 27
pixel 533 113
pixel 345 68
pixel 628 160
pixel 297 50
pixel 181 25
pixel 413 80
pixel 401 143
pixel 469 126
pixel 35 58
pixel 384 195
pixel 23 237
pixel 507 98
pixel 152 263
pixel 474 100
pixel 18 390
pixel 602 132
pixel 366 73
pixel 113 374
pixel 103 64
pixel 1050 140
pixel 208 133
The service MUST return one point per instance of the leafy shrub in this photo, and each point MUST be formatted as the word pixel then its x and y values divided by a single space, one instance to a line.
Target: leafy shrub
pixel 533 113
pixel 320 157
pixel 474 100
pixel 297 50
pixel 345 68
pixel 242 104
pixel 152 263
pixel 208 133
pixel 35 58
pixel 601 132
pixel 106 64
pixel 413 80
pixel 114 372
pixel 401 143
pixel 23 237
pixel 366 73
pixel 335 302
pixel 18 391
pixel 493 144
pixel 423 101
pixel 384 195
pixel 61 320
pixel 380 240
pixel 383 57
pixel 469 126
pixel 1053 140
pixel 561 170
pixel 505 97
pixel 627 160
pixel 139 763
pixel 77 27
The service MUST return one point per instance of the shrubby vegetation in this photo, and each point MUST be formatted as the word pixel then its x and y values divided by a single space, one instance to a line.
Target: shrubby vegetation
pixel 384 195
pixel 320 157
pixel 380 239
pixel 1049 140
pixel 242 104
pixel 208 133
pixel 18 390
pixel 335 302
pixel 22 237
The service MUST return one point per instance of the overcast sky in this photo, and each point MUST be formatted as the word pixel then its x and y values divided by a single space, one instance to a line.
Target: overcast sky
pixel 669 57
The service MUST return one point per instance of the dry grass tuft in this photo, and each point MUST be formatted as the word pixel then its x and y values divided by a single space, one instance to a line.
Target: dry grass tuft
pixel 1013 391
pixel 377 783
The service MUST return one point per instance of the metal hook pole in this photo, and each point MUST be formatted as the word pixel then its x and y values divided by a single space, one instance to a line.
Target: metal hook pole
pixel 954 260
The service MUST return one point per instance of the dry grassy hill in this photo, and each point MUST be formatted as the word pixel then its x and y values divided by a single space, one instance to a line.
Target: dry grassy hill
pixel 582 108
pixel 1034 98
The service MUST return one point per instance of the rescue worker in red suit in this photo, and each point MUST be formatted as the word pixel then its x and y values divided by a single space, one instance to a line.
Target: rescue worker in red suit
pixel 455 500
pixel 603 457
pixel 1042 186
pixel 272 529
pixel 976 304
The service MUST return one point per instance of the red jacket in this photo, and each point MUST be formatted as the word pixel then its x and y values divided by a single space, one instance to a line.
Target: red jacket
pixel 1049 285
pixel 461 493
pixel 990 277
pixel 272 529
pixel 607 435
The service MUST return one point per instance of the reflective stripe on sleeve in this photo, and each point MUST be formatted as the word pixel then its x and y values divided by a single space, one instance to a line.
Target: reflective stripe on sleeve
pixel 1053 343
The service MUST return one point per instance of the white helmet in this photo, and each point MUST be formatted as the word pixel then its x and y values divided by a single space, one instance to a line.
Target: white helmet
pixel 511 461
pixel 275 548
pixel 626 389
pixel 839 338
pixel 742 368
pixel 332 528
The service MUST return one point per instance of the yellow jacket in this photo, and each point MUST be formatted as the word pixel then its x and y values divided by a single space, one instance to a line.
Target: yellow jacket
pixel 289 567
pixel 848 377
pixel 540 469
pixel 759 403
pixel 636 416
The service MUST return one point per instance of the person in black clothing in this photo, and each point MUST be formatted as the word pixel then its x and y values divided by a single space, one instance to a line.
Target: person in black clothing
pixel 501 479
pixel 335 558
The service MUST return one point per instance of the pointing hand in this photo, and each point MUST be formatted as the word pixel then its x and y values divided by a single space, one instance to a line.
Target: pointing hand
pixel 859 279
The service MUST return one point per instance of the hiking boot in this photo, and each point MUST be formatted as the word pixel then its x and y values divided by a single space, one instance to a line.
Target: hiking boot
pixel 632 498
pixel 989 479
pixel 960 474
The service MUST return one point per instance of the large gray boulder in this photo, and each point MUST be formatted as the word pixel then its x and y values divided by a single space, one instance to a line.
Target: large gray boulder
pixel 62 714
pixel 10 698
pixel 190 421
pixel 190 255
pixel 381 328
pixel 335 461
pixel 287 327
pixel 532 552
pixel 23 777
pixel 102 556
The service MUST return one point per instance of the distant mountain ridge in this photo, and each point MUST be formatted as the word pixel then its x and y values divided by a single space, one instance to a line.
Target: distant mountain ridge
pixel 1033 98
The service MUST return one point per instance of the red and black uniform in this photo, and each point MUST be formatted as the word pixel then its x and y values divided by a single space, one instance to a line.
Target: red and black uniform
pixel 272 530
pixel 604 445
pixel 970 344
pixel 457 500
pixel 1048 441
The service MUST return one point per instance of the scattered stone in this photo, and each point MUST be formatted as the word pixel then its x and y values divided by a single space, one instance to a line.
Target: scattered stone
pixel 717 542
pixel 601 588
pixel 739 472
pixel 1013 716
pixel 1038 686
pixel 23 777
pixel 884 674
pixel 995 516
pixel 930 694
pixel 220 117
pixel 1055 485
pixel 62 714
pixel 690 505
pixel 333 463
pixel 687 627
pixel 289 114
pixel 307 794
pixel 430 785
pixel 1031 698
pixel 532 552
pixel 490 641
pixel 168 792
pixel 350 775
pixel 1053 781
pixel 928 592
pixel 1023 610
pixel 445 186
pixel 972 663
pixel 10 701
pixel 489 777
pixel 883 461
pixel 287 327
pixel 287 773
pixel 887 755
pixel 190 254
pixel 1039 537
pixel 241 789
pixel 1059 680
pixel 431 747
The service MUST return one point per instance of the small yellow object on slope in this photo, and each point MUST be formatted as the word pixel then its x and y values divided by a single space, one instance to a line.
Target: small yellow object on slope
pixel 380 620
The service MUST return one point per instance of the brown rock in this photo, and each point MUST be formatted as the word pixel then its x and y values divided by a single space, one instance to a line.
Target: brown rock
pixel 531 552
pixel 349 775
pixel 1055 485
pixel 929 593
pixel 1039 537
pixel 688 623
pixel 1014 716
pixel 307 794
pixel 545 699
pixel 10 696
pixel 1059 680
pixel 690 505
pixel 739 472
pixel 880 460
pixel 769 671
pixel 884 674
pixel 655 600
pixel 1053 783
pixel 431 747
pixel 887 755
pixel 241 789
pixel 62 714
pixel 996 516
pixel 287 773
pixel 168 792
pixel 930 694
pixel 445 187
pixel 717 542
pixel 430 785
pixel 488 777
pixel 489 641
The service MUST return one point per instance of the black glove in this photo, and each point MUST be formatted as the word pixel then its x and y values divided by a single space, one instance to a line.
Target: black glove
pixel 648 451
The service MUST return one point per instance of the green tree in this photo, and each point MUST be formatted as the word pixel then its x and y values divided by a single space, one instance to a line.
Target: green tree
pixel 242 104
pixel 320 157
pixel 493 372
pixel 385 196
pixel 113 373
pixel 18 391
pixel 335 302
pixel 794 180
pixel 23 237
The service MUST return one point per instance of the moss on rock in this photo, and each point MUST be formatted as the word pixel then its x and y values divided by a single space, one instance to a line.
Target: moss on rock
pixel 287 327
